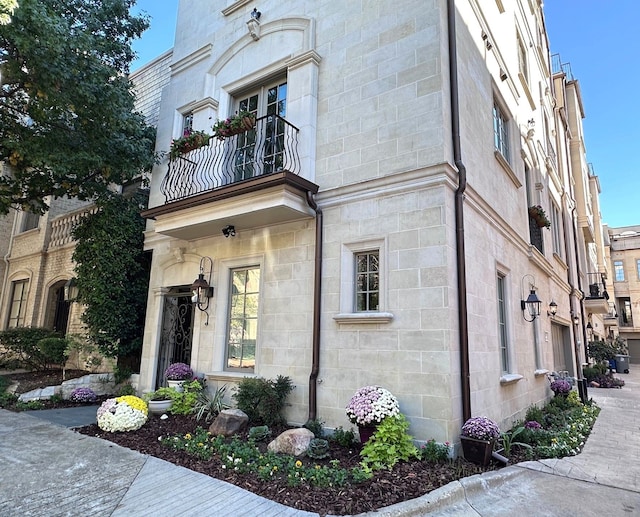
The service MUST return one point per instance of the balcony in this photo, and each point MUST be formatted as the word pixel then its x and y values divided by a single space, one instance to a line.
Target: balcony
pixel 249 180
pixel 596 299
pixel 611 318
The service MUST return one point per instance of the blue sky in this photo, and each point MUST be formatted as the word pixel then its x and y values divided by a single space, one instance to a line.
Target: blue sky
pixel 599 40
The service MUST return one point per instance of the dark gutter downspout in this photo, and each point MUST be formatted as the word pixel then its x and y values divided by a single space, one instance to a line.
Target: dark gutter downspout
pixel 459 206
pixel 582 382
pixel 317 286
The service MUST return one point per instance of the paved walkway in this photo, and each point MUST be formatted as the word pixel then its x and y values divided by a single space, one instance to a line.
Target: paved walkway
pixel 48 470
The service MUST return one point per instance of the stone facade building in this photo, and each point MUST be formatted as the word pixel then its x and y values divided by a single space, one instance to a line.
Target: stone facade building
pixel 624 316
pixel 377 223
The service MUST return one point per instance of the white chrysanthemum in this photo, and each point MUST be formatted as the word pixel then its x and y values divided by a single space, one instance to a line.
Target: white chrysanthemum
pixel 120 416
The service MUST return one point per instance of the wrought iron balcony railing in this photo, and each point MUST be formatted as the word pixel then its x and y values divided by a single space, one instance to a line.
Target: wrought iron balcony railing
pixel 597 286
pixel 271 146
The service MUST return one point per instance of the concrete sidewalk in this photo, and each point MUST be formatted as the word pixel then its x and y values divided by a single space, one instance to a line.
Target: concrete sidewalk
pixel 48 470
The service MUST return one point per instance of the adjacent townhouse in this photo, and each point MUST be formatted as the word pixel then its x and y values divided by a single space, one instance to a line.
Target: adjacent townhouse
pixel 37 288
pixel 624 316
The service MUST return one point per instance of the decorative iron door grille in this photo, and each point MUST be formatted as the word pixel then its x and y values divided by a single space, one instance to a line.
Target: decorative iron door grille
pixel 176 333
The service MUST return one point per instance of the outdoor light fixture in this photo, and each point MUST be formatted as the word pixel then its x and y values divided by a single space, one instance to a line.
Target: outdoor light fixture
pixel 70 290
pixel 575 318
pixel 201 289
pixel 253 25
pixel 532 304
pixel 553 309
pixel 229 231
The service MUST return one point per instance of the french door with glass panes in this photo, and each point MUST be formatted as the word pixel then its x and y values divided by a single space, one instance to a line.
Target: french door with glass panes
pixel 260 150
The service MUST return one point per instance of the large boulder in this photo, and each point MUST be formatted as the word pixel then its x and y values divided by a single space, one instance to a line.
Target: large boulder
pixel 294 442
pixel 229 422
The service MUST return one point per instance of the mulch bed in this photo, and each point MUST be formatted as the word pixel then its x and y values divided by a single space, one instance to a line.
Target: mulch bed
pixel 406 481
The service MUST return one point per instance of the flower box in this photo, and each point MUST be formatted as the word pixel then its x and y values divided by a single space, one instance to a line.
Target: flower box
pixel 538 214
pixel 477 451
pixel 243 121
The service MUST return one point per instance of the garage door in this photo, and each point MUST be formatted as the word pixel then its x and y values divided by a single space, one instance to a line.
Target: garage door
pixel 634 350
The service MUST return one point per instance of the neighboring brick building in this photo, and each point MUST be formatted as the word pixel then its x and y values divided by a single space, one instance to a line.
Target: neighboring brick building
pixel 38 250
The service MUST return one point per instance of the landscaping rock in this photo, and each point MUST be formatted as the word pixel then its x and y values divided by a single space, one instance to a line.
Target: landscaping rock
pixel 293 441
pixel 229 422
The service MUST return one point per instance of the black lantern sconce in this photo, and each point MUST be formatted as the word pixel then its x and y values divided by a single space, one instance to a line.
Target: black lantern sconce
pixel 553 309
pixel 71 290
pixel 202 291
pixel 531 305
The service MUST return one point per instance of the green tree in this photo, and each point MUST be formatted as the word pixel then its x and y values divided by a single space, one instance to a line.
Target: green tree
pixel 67 120
pixel 113 276
pixel 6 10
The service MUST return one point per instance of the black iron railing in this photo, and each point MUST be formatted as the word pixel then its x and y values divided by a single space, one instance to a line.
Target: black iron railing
pixel 270 146
pixel 535 234
pixel 597 288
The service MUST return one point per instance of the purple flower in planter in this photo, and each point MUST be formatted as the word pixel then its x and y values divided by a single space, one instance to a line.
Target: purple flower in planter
pixel 561 387
pixel 83 395
pixel 178 372
pixel 480 428
pixel 532 424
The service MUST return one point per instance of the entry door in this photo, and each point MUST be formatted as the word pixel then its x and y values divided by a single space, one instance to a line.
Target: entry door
pixel 177 332
pixel 260 150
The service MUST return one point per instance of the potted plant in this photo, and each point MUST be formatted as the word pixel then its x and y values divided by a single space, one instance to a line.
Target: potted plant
pixel 538 214
pixel 160 400
pixel 478 436
pixel 177 373
pixel 126 413
pixel 560 388
pixel 369 406
pixel 189 141
pixel 239 123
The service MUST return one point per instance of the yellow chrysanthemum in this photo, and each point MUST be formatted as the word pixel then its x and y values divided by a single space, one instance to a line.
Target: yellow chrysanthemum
pixel 298 464
pixel 134 402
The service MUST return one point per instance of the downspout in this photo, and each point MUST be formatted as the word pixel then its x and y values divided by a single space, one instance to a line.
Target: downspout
pixel 582 383
pixel 317 286
pixel 459 206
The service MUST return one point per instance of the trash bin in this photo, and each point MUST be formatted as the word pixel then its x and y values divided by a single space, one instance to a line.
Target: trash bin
pixel 612 364
pixel 622 363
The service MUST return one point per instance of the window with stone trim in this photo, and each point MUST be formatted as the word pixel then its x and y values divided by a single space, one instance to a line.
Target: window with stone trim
pixel 503 335
pixel 501 131
pixel 618 269
pixel 242 322
pixel 367 281
pixel 18 304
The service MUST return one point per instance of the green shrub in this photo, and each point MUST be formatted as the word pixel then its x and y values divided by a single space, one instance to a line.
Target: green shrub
pixel 263 400
pixel 7 399
pixel 590 373
pixel 22 346
pixel 434 452
pixel 534 413
pixel 344 438
pixel 315 426
pixel 53 350
pixel 125 389
pixel 184 402
pixel 389 444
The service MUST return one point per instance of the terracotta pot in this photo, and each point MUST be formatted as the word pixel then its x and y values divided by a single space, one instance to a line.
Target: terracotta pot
pixel 477 451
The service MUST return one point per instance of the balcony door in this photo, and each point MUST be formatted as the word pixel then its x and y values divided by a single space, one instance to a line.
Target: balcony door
pixel 260 150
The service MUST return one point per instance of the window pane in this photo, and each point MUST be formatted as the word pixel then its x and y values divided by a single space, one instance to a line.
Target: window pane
pixel 18 305
pixel 243 319
pixel 367 281
pixel 502 325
